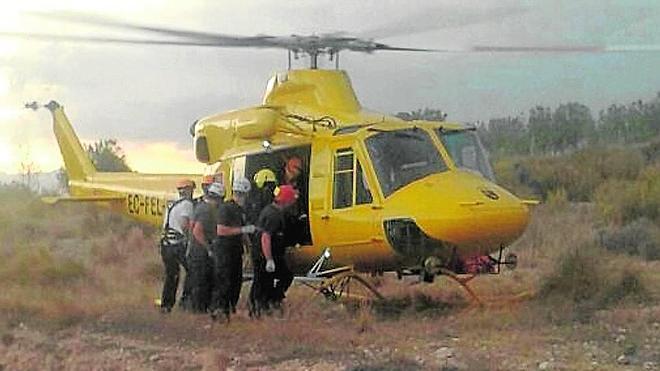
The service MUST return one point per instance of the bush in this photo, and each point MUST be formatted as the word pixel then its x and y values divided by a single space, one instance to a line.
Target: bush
pixel 582 283
pixel 639 238
pixel 623 201
pixel 578 174
pixel 417 303
pixel 26 267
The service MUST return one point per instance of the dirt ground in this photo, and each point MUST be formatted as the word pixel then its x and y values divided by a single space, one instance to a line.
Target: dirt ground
pixel 317 335
pixel 77 287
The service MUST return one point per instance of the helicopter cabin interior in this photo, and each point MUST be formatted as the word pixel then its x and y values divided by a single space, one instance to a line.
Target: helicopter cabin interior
pixel 298 228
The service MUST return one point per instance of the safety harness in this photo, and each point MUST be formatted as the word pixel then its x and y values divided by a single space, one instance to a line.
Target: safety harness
pixel 171 236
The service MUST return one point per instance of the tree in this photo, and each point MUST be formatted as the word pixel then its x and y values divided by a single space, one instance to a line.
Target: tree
pixel 573 123
pixel 107 155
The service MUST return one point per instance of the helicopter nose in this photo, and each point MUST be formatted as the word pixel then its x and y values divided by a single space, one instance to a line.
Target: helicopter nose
pixel 466 210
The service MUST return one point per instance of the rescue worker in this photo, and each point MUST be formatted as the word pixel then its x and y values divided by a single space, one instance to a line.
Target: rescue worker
pixel 205 217
pixel 261 194
pixel 173 243
pixel 228 250
pixel 297 225
pixel 272 276
pixel 207 180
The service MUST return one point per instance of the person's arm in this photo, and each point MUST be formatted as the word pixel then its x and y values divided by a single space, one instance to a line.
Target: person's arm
pixel 187 224
pixel 224 230
pixel 198 234
pixel 265 246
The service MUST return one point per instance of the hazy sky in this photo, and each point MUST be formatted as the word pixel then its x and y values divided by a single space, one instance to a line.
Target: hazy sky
pixel 147 97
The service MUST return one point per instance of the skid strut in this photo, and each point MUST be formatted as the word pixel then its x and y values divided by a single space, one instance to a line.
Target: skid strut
pixel 337 283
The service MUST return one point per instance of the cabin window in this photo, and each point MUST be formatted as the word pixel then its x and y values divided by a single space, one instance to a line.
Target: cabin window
pixel 349 180
pixel 342 192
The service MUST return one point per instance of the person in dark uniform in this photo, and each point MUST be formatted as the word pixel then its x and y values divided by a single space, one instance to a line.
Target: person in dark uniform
pixel 272 276
pixel 261 194
pixel 296 219
pixel 228 251
pixel 205 220
pixel 174 241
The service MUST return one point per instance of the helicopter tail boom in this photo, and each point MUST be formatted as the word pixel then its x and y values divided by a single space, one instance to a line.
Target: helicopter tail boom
pixel 77 163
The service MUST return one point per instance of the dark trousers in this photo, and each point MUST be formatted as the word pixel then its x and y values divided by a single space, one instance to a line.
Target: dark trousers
pixel 259 290
pixel 268 287
pixel 281 278
pixel 174 257
pixel 235 277
pixel 200 268
pixel 227 278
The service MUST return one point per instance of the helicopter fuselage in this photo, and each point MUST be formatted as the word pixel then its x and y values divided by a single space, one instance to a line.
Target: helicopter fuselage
pixel 382 193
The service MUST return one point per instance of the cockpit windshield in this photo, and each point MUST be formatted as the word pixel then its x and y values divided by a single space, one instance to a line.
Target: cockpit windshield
pixel 403 156
pixel 466 150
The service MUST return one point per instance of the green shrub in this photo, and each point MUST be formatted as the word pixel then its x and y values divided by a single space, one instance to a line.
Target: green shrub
pixel 623 201
pixel 584 281
pixel 638 238
pixel 577 276
pixel 578 174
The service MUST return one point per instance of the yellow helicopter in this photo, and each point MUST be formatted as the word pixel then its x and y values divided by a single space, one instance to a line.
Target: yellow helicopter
pixel 384 194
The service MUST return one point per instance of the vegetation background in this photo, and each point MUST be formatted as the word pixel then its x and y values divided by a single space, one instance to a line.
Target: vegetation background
pixel 77 282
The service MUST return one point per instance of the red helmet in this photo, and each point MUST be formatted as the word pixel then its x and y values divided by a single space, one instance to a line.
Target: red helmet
pixel 285 194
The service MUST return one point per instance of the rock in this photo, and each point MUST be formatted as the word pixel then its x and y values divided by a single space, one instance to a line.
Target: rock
pixel 649 365
pixel 620 338
pixel 545 365
pixel 444 353
pixel 623 360
pixel 154 358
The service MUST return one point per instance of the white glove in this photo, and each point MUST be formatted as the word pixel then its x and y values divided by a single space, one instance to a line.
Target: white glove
pixel 270 265
pixel 249 229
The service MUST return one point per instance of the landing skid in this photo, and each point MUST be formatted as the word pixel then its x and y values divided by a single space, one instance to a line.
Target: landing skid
pixel 338 283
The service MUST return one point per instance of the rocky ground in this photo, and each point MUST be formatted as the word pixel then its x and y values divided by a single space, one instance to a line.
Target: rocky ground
pixel 332 336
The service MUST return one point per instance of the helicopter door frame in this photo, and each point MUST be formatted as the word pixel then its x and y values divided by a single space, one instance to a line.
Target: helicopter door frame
pixel 349 224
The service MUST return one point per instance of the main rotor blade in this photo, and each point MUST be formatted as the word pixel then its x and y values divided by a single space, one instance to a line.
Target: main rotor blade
pixel 112 40
pixel 437 19
pixel 562 49
pixel 197 36
pixel 404 49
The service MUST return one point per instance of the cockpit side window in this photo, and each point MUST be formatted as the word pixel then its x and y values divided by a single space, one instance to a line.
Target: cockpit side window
pixel 342 191
pixel 350 182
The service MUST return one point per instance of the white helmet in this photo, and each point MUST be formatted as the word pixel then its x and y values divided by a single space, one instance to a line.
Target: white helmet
pixel 241 185
pixel 216 190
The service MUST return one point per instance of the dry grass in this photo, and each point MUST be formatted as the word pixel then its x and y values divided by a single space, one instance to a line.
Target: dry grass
pixel 83 274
